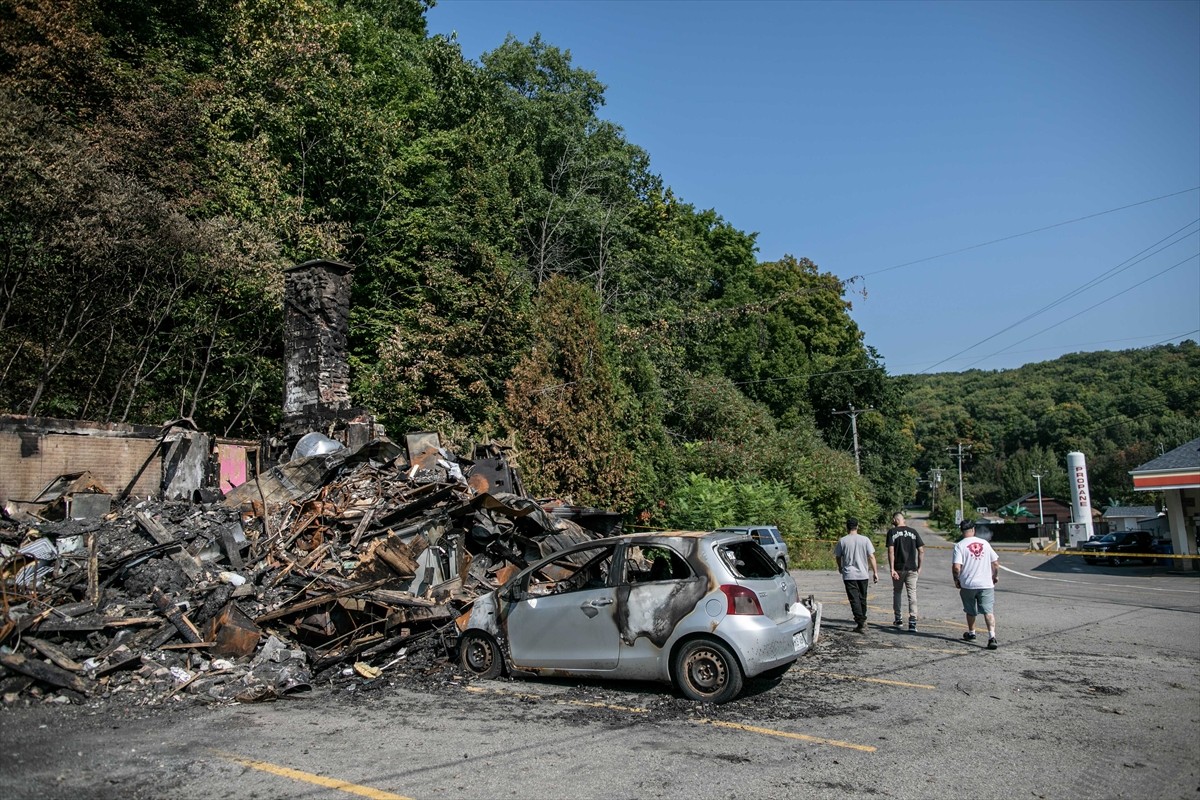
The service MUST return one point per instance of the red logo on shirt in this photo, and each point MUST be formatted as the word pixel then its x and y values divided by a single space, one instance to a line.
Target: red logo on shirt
pixel 976 548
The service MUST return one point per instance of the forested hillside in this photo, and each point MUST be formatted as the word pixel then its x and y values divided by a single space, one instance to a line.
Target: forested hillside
pixel 1120 409
pixel 520 272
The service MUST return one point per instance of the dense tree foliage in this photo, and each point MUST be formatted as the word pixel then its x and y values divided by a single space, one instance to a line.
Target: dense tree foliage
pixel 520 273
pixel 1120 409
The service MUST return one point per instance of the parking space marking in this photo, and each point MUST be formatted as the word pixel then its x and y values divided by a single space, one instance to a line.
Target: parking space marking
pixel 714 722
pixel 918 647
pixel 317 780
pixel 1094 583
pixel 547 698
pixel 868 680
pixel 866 748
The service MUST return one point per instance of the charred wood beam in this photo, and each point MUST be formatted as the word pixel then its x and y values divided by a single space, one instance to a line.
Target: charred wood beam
pixel 46 673
pixel 175 616
pixel 55 654
pixel 188 563
pixel 316 601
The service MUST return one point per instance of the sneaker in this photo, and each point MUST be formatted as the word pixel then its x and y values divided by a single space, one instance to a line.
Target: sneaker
pixel 858 628
pixel 912 626
pixel 992 643
pixel 969 636
pixel 897 622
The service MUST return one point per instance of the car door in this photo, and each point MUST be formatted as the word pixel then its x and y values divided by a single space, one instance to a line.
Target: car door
pixel 575 627
pixel 766 541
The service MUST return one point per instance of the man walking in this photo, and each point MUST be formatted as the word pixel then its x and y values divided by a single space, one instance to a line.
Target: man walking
pixel 855 556
pixel 976 572
pixel 906 553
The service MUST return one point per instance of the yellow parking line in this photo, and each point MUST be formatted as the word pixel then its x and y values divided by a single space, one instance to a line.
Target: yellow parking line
pixel 717 723
pixel 526 696
pixel 869 680
pixel 922 649
pixel 318 780
pixel 866 748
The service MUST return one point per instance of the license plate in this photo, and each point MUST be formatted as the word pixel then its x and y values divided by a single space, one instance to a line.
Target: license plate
pixel 797 641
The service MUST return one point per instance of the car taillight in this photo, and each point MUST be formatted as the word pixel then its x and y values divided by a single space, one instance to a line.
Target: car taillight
pixel 741 600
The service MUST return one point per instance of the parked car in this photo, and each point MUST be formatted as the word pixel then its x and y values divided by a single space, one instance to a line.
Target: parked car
pixel 704 611
pixel 1117 547
pixel 768 537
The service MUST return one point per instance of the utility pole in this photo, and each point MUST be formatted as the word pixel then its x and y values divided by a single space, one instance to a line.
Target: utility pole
pixel 854 412
pixel 960 456
pixel 935 480
pixel 1041 520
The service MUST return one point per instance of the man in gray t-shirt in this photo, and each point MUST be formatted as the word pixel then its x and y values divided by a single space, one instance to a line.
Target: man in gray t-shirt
pixel 855 556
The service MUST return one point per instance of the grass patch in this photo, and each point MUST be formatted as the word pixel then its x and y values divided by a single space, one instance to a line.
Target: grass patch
pixel 818 554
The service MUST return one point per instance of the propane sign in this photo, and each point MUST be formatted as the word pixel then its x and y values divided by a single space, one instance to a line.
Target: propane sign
pixel 1081 500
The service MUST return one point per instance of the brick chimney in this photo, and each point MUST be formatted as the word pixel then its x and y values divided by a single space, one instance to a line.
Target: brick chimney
pixel 316 376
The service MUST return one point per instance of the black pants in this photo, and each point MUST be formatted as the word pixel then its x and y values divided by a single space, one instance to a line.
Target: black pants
pixel 857 592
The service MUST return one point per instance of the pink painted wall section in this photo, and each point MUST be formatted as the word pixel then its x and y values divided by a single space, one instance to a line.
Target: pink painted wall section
pixel 233 466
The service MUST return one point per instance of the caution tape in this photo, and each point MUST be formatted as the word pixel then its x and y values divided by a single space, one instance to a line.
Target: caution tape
pixel 1093 554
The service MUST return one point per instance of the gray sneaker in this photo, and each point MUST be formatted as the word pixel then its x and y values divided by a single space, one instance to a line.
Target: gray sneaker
pixel 912 626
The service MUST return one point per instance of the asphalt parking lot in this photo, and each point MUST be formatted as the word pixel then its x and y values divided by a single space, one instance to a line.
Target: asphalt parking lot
pixel 1094 692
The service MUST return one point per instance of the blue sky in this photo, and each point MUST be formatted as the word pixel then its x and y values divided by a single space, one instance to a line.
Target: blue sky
pixel 923 147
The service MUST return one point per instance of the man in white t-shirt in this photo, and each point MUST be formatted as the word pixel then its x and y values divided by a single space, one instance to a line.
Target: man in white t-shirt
pixel 976 572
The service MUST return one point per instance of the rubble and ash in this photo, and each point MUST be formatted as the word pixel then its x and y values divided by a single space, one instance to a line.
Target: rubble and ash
pixel 346 568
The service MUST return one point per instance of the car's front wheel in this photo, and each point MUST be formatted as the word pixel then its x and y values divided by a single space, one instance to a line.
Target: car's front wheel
pixel 706 671
pixel 479 654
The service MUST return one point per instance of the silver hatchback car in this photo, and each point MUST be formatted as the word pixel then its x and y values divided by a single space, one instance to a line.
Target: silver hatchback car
pixel 704 611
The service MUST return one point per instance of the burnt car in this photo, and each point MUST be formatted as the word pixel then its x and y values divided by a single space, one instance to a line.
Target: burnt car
pixel 1114 548
pixel 768 536
pixel 704 611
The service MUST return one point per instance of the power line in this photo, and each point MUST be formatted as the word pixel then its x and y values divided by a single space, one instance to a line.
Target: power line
pixel 1029 233
pixel 1094 305
pixel 1126 264
pixel 1167 340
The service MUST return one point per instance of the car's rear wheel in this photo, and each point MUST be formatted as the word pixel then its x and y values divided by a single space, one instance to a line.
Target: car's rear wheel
pixel 782 563
pixel 706 671
pixel 479 654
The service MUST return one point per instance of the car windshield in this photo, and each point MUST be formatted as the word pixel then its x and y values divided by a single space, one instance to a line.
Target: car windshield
pixel 748 560
pixel 1112 537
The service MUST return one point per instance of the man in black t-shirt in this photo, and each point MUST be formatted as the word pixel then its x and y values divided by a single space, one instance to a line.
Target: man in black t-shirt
pixel 906 554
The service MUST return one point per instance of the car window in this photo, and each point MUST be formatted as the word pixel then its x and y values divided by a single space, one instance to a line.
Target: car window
pixel 748 560
pixel 584 569
pixel 655 563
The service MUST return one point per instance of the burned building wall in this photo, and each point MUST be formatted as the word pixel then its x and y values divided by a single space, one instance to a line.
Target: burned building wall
pixel 35 450
pixel 316 331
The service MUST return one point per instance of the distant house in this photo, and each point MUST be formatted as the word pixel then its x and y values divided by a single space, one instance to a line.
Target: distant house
pixel 1177 475
pixel 1050 510
pixel 1130 518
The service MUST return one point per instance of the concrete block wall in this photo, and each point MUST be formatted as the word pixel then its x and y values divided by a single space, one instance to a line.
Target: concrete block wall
pixel 31 458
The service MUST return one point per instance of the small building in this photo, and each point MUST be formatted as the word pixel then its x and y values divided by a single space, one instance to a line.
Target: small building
pixel 1176 474
pixel 1047 510
pixel 1129 518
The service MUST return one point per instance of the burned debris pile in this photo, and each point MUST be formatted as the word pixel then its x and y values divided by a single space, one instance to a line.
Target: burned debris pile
pixel 338 565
